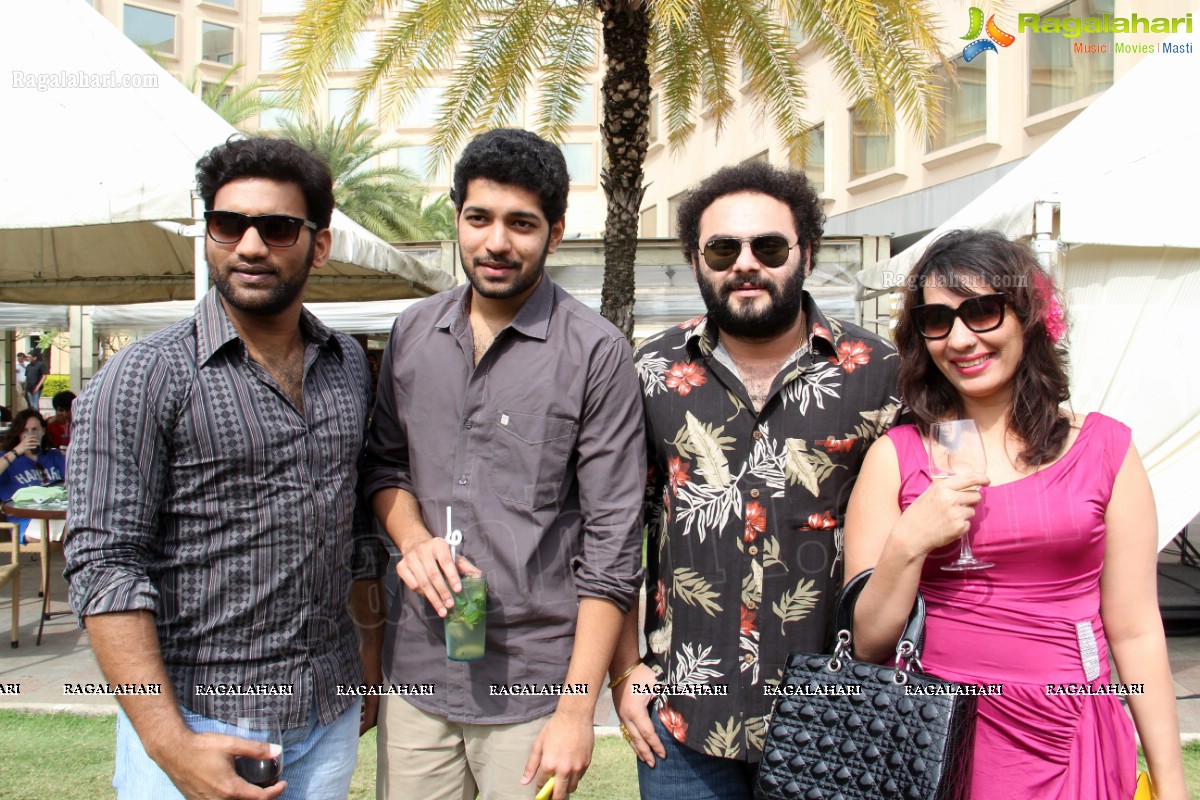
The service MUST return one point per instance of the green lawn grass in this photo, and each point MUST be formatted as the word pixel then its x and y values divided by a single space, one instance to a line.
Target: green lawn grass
pixel 68 756
pixel 62 755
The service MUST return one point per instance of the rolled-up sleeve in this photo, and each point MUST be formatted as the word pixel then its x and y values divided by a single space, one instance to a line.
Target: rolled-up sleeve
pixel 386 462
pixel 115 484
pixel 611 471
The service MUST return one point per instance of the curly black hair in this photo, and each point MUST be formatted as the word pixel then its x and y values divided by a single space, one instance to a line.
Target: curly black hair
pixel 517 158
pixel 970 262
pixel 788 187
pixel 277 159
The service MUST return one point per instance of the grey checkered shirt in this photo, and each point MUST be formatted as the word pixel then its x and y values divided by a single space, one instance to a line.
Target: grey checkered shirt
pixel 199 492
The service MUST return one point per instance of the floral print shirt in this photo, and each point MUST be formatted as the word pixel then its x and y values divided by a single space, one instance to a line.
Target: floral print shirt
pixel 745 512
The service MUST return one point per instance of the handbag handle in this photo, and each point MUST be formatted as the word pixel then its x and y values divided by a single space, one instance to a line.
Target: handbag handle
pixel 912 639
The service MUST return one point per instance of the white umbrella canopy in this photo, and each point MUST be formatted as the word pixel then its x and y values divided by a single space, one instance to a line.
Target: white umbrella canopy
pixel 100 143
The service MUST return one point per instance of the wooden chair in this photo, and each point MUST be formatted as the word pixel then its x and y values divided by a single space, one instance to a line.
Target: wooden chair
pixel 42 548
pixel 11 573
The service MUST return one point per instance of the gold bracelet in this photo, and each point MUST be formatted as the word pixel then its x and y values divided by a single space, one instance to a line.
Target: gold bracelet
pixel 615 682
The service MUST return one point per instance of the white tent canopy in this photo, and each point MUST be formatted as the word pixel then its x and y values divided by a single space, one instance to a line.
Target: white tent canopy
pixel 1123 175
pixel 89 169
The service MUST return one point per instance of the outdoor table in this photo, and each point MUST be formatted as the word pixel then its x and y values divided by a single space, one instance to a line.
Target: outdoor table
pixel 42 512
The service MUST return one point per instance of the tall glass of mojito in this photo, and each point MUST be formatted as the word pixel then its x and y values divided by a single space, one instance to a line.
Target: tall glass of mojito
pixel 466 622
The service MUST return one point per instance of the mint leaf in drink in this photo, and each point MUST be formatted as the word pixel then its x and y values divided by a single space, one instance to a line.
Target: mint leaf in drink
pixel 470 611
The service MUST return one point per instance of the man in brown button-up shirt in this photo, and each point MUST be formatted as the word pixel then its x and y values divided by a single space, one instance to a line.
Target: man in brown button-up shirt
pixel 518 408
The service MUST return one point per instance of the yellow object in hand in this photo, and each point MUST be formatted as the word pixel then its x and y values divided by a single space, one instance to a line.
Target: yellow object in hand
pixel 547 790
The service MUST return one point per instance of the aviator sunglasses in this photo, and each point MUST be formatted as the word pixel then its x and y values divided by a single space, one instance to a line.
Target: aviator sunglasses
pixel 275 230
pixel 770 249
pixel 980 314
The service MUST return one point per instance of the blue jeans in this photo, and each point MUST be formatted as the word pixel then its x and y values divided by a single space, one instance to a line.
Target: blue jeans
pixel 686 774
pixel 318 760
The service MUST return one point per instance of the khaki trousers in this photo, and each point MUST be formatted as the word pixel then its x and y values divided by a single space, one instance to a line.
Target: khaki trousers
pixel 426 757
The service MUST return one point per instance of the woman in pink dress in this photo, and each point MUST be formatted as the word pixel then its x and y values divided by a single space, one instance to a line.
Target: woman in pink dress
pixel 1065 513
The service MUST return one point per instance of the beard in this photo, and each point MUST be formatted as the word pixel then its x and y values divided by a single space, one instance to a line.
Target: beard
pixel 749 322
pixel 521 280
pixel 276 300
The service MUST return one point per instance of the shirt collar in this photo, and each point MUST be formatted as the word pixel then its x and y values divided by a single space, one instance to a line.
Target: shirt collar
pixel 214 329
pixel 532 320
pixel 704 338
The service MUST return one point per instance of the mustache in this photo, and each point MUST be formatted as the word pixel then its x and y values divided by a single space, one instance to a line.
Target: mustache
pixel 752 281
pixel 479 261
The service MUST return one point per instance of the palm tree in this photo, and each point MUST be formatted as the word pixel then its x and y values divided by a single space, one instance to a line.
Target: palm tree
pixel 881 51
pixel 383 199
pixel 235 104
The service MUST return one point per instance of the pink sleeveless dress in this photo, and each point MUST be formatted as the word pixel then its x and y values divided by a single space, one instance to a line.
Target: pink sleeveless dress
pixel 1033 620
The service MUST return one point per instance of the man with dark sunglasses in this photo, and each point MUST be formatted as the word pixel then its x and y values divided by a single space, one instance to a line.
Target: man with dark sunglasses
pixel 218 543
pixel 758 415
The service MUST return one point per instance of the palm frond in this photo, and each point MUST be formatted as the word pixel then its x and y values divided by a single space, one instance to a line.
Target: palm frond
pixel 712 31
pixel 322 33
pixel 570 50
pixel 422 41
pixel 675 59
pixel 775 80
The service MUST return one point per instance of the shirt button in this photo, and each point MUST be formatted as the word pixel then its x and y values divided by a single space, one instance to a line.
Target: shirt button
pixel 754 492
pixel 748 658
pixel 753 550
pixel 467 423
pixel 756 435
pixel 751 605
pixel 462 481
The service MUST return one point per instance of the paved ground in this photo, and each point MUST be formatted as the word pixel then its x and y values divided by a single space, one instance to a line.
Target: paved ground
pixel 41 674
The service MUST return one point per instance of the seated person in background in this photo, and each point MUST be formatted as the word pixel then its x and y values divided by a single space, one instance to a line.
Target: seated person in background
pixel 24 462
pixel 58 427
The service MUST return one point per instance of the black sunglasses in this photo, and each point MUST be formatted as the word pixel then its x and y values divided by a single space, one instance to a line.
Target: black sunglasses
pixel 770 249
pixel 980 314
pixel 276 230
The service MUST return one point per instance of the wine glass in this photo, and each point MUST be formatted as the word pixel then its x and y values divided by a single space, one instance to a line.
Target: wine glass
pixel 954 447
pixel 260 727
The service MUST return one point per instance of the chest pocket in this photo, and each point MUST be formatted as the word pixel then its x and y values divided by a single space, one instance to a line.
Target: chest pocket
pixel 529 457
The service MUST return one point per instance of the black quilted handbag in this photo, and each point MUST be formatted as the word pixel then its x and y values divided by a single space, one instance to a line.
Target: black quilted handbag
pixel 844 729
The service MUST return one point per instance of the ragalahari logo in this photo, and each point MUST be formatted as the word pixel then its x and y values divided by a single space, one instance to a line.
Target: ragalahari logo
pixel 995 36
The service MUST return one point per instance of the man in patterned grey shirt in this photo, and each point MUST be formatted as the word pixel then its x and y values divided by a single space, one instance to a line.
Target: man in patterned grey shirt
pixel 215 522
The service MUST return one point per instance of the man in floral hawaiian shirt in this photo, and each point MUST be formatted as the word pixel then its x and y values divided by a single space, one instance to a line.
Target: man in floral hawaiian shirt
pixel 758 416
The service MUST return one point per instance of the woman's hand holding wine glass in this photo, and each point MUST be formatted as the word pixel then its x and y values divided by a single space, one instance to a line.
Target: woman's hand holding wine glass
pixel 956 450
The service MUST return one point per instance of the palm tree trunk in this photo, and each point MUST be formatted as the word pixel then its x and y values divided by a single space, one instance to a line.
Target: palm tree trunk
pixel 626 92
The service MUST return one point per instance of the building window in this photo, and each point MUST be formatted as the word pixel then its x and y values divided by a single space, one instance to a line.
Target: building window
pixel 1057 75
pixel 648 223
pixel 584 112
pixel 281 6
pixel 764 157
pixel 872 150
pixel 655 105
pixel 270 52
pixel 581 162
pixel 673 204
pixel 209 91
pixel 415 159
pixel 226 3
pixel 216 43
pixel 814 158
pixel 276 117
pixel 963 112
pixel 152 29
pixel 422 112
pixel 341 101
